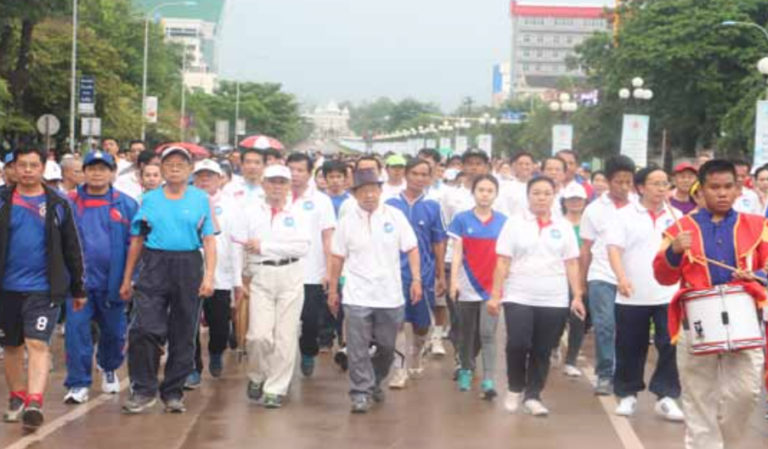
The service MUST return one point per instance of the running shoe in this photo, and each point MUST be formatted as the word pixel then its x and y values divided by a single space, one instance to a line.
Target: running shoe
pixel 307 365
pixel 360 405
pixel 668 409
pixel 627 406
pixel 110 383
pixel 138 404
pixel 255 390
pixel 76 395
pixel 341 359
pixel 32 418
pixel 489 392
pixel 216 365
pixel 604 387
pixel 378 394
pixel 437 348
pixel 534 407
pixel 571 371
pixel 512 401
pixel 465 380
pixel 273 401
pixel 399 379
pixel 174 405
pixel 193 381
pixel 15 409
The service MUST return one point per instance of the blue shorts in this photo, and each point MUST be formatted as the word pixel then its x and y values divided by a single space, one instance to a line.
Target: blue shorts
pixel 419 315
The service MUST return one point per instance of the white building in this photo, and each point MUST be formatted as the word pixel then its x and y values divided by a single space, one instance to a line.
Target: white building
pixel 198 39
pixel 329 121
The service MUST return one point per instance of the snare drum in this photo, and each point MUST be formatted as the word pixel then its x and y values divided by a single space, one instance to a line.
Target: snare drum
pixel 721 319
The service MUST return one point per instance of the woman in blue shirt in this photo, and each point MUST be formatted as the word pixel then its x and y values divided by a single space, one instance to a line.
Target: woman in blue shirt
pixel 169 229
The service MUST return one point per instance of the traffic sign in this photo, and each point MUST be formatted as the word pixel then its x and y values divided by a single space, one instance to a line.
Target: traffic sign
pixel 90 126
pixel 48 125
pixel 87 103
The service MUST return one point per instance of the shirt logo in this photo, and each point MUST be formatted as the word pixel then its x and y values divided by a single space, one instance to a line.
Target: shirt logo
pixel 669 222
pixel 218 210
pixel 388 227
pixel 421 222
pixel 288 222
pixel 309 205
pixel 41 210
pixel 555 233
pixel 469 231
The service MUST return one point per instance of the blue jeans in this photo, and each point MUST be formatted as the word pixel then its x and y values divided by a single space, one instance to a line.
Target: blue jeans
pixel 111 319
pixel 602 299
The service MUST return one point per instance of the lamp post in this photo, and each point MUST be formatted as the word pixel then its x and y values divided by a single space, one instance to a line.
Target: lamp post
pixel 733 23
pixel 564 105
pixel 486 121
pixel 146 55
pixel 634 130
pixel 73 85
pixel 637 92
pixel 562 133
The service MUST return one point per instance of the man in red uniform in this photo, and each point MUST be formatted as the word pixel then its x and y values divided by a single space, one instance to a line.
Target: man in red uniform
pixel 720 391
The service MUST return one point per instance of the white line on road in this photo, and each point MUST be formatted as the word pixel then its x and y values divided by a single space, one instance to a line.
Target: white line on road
pixel 64 419
pixel 621 425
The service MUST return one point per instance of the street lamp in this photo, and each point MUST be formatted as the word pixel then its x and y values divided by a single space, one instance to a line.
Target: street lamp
pixel 637 92
pixel 73 88
pixel 146 55
pixel 563 104
pixel 486 120
pixel 732 23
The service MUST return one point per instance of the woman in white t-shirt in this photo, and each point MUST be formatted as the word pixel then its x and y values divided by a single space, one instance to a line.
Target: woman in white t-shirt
pixel 537 261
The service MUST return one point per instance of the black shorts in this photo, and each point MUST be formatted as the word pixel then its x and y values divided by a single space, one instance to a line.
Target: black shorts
pixel 26 315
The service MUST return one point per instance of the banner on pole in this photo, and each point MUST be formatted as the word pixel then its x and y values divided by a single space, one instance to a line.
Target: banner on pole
pixel 445 142
pixel 634 138
pixel 562 138
pixel 485 143
pixel 462 143
pixel 761 134
pixel 86 104
pixel 222 132
pixel 150 108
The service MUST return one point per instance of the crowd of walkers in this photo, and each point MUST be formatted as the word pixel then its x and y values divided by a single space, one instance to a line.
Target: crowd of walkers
pixel 381 260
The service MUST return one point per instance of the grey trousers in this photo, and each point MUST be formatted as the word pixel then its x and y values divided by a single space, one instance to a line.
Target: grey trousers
pixel 477 333
pixel 363 326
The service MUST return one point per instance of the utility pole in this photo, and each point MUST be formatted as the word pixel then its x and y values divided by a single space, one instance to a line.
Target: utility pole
pixel 73 81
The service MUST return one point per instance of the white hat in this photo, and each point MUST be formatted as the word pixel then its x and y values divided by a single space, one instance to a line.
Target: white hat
pixel 450 174
pixel 208 165
pixel 277 171
pixel 52 171
pixel 575 190
pixel 175 150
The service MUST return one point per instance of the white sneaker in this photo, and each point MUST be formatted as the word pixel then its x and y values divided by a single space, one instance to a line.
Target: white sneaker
pixel 437 347
pixel 512 401
pixel 571 371
pixel 399 379
pixel 110 384
pixel 534 407
pixel 668 409
pixel 77 395
pixel 627 406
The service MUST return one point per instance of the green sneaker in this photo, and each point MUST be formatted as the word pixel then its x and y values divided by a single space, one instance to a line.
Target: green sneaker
pixel 489 392
pixel 465 380
pixel 255 390
pixel 273 401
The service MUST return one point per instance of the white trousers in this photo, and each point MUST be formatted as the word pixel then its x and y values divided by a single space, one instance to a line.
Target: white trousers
pixel 277 297
pixel 719 395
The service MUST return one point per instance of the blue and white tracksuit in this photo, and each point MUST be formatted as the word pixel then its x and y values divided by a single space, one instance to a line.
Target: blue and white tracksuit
pixel 104 224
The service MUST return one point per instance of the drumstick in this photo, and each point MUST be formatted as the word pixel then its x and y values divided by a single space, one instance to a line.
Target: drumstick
pixel 678 224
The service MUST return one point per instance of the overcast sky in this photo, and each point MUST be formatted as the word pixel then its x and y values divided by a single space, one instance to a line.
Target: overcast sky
pixel 321 50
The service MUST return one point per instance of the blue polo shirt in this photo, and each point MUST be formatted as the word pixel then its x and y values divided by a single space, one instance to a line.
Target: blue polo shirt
pixel 26 265
pixel 426 219
pixel 175 225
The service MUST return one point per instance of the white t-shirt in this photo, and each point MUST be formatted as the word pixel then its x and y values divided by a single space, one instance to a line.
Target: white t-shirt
pixel 639 235
pixel 389 191
pixel 245 193
pixel 537 275
pixel 748 203
pixel 315 210
pixel 454 201
pixel 598 216
pixel 229 262
pixel 370 244
pixel 129 184
pixel 516 197
pixel 281 234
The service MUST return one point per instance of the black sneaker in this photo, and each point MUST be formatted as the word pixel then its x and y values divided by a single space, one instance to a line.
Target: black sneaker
pixel 255 390
pixel 138 404
pixel 15 409
pixel 360 405
pixel 32 418
pixel 378 394
pixel 341 359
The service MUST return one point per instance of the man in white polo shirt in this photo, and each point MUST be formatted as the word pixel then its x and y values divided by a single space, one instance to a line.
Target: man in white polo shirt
pixel 315 211
pixel 275 240
pixel 368 242
pixel 633 241
pixel 601 282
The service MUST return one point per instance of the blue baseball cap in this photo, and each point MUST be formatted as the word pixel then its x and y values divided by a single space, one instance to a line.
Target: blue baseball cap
pixel 8 159
pixel 95 157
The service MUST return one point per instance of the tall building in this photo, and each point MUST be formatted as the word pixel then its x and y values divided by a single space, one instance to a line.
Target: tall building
pixel 329 121
pixel 197 29
pixel 544 34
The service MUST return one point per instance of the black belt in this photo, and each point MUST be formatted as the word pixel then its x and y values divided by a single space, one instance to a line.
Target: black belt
pixel 278 263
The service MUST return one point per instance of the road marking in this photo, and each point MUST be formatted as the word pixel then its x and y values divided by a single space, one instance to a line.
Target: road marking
pixel 77 413
pixel 621 425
